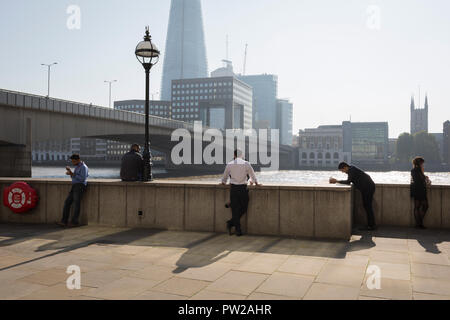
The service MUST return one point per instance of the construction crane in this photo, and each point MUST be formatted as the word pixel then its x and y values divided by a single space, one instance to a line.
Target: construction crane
pixel 245 59
pixel 227 45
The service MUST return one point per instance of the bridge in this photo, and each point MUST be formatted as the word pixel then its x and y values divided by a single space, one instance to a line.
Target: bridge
pixel 25 118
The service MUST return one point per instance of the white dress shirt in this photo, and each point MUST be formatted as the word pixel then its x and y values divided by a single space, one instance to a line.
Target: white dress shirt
pixel 238 170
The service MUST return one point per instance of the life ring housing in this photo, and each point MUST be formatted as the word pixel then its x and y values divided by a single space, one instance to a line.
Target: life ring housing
pixel 20 197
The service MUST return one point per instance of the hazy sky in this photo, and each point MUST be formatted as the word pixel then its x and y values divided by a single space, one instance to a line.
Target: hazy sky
pixel 334 58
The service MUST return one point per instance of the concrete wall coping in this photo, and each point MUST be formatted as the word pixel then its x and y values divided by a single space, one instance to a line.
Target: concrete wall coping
pixel 205 184
pixel 179 183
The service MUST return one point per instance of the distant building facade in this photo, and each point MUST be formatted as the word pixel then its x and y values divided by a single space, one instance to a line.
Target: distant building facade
pixel 284 121
pixel 368 142
pixel 322 147
pixel 61 150
pixel 185 51
pixel 225 71
pixel 392 148
pixel 439 137
pixel 90 149
pixel 221 103
pixel 419 117
pixel 446 143
pixel 265 93
pixel 54 150
pixel 161 109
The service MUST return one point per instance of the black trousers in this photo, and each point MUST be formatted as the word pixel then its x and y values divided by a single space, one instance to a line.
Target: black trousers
pixel 239 205
pixel 74 197
pixel 367 198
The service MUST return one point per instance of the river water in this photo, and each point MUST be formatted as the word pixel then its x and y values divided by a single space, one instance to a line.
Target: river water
pixel 277 177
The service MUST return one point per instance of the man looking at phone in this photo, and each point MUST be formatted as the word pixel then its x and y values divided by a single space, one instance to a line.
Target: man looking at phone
pixel 79 183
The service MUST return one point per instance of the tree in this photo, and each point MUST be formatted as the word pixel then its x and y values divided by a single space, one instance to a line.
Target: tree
pixel 426 146
pixel 405 147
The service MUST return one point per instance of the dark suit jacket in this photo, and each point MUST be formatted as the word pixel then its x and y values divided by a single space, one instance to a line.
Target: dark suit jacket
pixel 361 180
pixel 132 167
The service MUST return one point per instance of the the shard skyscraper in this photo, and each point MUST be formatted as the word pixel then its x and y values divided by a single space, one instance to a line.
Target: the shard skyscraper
pixel 185 52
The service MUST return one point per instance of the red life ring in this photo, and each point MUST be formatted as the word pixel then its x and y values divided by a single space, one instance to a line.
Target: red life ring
pixel 20 197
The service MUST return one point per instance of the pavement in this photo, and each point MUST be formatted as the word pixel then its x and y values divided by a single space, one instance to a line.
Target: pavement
pixel 121 263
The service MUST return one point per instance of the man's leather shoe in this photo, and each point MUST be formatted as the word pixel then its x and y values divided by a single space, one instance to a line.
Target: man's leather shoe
pixel 61 224
pixel 73 225
pixel 229 228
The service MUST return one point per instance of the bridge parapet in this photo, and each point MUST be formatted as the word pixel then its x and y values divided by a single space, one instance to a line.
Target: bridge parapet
pixel 29 101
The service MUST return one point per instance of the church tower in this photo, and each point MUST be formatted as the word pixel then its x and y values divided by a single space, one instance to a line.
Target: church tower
pixel 419 117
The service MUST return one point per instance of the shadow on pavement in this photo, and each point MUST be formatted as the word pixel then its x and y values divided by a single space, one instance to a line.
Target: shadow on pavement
pixel 205 248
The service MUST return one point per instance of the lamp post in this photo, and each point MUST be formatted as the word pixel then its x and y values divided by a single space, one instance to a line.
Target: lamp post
pixel 148 55
pixel 48 76
pixel 110 84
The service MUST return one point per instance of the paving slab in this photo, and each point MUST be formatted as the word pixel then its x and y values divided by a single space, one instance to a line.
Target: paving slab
pixel 56 292
pixel 427 296
pixel 285 284
pixel 180 286
pixel 323 291
pixel 388 256
pixel 100 278
pixel 390 289
pixel 48 277
pixel 154 272
pixel 214 295
pixel 430 258
pixel 157 295
pixel 12 290
pixel 262 263
pixel 398 271
pixel 430 271
pixel 238 282
pixel 354 260
pixel 268 297
pixel 431 286
pixel 211 272
pixel 124 288
pixel 302 265
pixel 351 276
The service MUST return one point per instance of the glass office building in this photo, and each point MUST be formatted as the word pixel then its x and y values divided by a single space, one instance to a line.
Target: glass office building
pixel 265 92
pixel 284 121
pixel 367 141
pixel 221 103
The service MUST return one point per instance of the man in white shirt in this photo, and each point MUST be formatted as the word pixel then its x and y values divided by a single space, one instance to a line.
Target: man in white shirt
pixel 238 171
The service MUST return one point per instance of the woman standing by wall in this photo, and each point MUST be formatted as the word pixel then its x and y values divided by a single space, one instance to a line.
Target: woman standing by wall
pixel 419 182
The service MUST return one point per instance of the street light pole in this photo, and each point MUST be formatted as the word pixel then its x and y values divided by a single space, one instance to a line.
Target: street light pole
pixel 148 176
pixel 110 84
pixel 148 55
pixel 48 76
